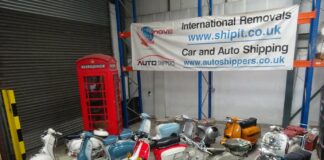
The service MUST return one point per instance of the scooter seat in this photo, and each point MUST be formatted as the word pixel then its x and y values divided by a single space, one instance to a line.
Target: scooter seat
pixel 298 155
pixel 110 140
pixel 126 134
pixel 70 137
pixel 248 122
pixel 166 142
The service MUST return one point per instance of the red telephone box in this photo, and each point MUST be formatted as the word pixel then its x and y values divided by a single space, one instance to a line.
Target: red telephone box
pixel 99 93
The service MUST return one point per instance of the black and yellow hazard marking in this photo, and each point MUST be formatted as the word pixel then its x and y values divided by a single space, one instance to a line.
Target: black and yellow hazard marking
pixel 10 105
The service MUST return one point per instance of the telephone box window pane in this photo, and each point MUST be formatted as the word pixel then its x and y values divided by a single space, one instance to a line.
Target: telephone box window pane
pixel 93 87
pixel 96 125
pixel 97 118
pixel 94 83
pixel 95 95
pixel 94 79
pixel 96 103
pixel 96 110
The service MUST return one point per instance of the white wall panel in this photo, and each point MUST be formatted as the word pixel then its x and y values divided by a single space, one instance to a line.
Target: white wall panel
pixel 235 7
pixel 189 3
pixel 279 3
pixel 218 2
pixel 249 93
pixel 159 95
pixel 218 9
pixel 175 5
pixel 256 5
pixel 145 7
pixel 147 78
pixel 161 16
pixel 184 13
pixel 181 93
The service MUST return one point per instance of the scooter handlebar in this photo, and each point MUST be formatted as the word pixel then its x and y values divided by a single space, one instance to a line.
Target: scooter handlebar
pixel 230 119
pixel 140 134
pixel 145 116
pixel 58 133
pixel 184 117
pixel 52 131
pixel 276 128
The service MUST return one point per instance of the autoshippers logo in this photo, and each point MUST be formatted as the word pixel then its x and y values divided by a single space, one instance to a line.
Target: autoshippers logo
pixel 155 60
pixel 146 35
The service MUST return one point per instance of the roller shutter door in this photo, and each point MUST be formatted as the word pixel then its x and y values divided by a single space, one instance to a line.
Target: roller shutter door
pixel 37 60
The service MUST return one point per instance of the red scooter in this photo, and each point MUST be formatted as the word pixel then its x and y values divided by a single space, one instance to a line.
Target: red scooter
pixel 166 145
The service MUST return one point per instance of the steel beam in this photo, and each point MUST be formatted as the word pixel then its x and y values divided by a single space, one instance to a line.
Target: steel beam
pixel 210 73
pixel 121 63
pixel 316 6
pixel 138 73
pixel 199 73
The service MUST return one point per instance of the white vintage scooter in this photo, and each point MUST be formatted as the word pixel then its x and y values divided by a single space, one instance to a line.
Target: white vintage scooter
pixel 75 142
pixel 49 139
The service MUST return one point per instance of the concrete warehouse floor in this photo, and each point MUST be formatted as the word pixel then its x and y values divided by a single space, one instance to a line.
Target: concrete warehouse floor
pixel 60 151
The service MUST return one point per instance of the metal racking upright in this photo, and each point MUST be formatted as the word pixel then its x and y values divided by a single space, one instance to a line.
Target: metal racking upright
pixel 316 6
pixel 123 67
pixel 311 18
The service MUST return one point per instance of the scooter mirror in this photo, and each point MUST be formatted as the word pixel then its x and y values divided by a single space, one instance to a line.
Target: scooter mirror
pixel 185 116
pixel 228 119
pixel 145 116
pixel 275 128
pixel 58 133
pixel 51 131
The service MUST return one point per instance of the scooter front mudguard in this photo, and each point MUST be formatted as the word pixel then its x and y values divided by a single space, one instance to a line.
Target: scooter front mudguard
pixel 120 149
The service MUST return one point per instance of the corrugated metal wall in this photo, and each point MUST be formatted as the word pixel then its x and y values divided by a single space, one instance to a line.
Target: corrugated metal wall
pixel 40 43
pixel 88 11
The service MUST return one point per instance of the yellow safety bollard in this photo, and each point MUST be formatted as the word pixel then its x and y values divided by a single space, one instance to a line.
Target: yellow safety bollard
pixel 18 144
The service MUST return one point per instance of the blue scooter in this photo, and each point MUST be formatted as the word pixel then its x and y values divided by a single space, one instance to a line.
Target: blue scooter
pixel 86 147
pixel 115 147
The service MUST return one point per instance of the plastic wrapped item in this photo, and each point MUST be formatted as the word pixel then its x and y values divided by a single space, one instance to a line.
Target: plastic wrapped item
pixel 238 146
pixel 310 141
pixel 298 131
pixel 290 133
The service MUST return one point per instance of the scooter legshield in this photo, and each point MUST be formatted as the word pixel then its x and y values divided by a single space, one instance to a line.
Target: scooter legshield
pixel 120 149
pixel 144 149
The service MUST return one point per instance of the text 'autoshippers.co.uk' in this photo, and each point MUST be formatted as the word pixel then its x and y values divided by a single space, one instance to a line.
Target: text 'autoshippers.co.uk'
pixel 245 36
